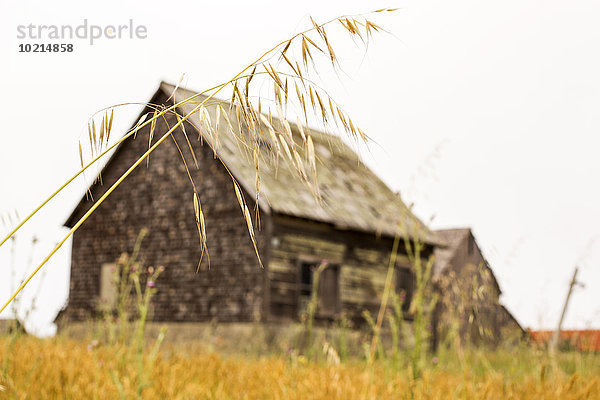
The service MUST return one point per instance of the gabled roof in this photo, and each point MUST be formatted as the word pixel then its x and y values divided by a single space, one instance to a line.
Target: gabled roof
pixel 453 238
pixel 352 196
pixel 444 254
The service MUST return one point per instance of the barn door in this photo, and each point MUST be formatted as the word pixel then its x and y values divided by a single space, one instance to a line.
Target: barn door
pixel 329 291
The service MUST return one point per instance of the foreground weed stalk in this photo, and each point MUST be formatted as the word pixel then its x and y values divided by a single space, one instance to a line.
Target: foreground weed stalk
pixel 312 309
pixel 422 304
pixel 384 300
pixel 396 322
pixel 358 27
pixel 131 279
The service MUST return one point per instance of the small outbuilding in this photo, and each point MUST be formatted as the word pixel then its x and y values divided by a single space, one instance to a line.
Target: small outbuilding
pixel 468 293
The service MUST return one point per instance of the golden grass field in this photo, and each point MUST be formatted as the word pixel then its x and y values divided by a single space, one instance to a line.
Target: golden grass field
pixel 61 368
pixel 67 369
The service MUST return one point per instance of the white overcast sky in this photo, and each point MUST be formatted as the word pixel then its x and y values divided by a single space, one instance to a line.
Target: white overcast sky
pixel 485 114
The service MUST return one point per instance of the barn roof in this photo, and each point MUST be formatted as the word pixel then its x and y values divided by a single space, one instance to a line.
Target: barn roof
pixel 352 196
pixel 444 254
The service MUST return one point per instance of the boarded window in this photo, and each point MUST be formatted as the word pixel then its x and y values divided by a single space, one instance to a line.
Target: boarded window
pixel 405 285
pixel 108 287
pixel 328 290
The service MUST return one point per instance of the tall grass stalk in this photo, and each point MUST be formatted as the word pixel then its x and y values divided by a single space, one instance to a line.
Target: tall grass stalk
pixel 311 309
pixel 389 279
pixel 396 322
pixel 422 305
pixel 131 279
pixel 356 27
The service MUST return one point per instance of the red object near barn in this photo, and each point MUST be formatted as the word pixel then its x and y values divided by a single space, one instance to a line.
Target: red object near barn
pixel 582 340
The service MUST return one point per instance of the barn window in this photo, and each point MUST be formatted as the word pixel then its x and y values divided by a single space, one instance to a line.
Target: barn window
pixel 405 285
pixel 108 287
pixel 328 289
pixel 306 278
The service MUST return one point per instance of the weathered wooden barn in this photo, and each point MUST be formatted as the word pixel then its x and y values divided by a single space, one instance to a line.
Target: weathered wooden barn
pixel 469 294
pixel 352 227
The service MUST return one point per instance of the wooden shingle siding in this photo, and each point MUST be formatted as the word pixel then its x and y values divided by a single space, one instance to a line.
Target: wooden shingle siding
pixel 159 198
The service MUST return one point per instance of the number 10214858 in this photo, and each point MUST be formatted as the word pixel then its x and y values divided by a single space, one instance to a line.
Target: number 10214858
pixel 45 48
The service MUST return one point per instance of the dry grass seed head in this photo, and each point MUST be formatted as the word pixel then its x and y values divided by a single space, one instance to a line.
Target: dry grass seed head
pixel 226 117
pixel 323 112
pixel 313 43
pixel 110 122
pixel 332 56
pixel 80 154
pixel 288 131
pixel 311 153
pixel 301 129
pixel 238 194
pixel 299 72
pixel 299 165
pixel 312 98
pixel 251 232
pixel 90 136
pixel 187 139
pixel 285 147
pixel 201 229
pixel 94 133
pixel 287 60
pixel 102 125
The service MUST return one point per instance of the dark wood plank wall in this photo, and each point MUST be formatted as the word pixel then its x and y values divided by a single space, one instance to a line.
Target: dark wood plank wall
pixel 160 198
pixel 362 259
